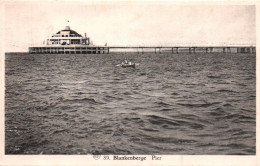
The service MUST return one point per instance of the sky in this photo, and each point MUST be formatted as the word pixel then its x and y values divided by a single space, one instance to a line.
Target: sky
pixel 130 24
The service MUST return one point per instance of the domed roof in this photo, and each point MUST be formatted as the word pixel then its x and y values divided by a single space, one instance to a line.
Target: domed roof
pixel 67 28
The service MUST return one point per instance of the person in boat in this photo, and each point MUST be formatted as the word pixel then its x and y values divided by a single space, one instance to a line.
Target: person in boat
pixel 124 62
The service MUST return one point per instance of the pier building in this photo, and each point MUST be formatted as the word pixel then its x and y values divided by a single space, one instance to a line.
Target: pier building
pixel 68 41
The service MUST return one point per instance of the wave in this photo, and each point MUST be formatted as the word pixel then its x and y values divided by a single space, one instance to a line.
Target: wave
pixel 107 97
pixel 60 131
pixel 239 116
pixel 217 112
pixel 213 76
pixel 158 120
pixel 166 109
pixel 86 100
pixel 199 105
pixel 162 104
pixel 227 91
pixel 169 140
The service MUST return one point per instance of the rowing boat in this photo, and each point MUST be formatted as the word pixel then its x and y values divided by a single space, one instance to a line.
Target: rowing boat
pixel 128 65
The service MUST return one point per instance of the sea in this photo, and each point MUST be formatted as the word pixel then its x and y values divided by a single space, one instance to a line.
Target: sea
pixel 170 104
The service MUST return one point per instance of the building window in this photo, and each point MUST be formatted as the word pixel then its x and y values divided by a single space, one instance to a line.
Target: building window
pixel 75 41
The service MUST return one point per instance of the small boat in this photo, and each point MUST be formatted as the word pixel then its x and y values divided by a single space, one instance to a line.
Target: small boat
pixel 128 65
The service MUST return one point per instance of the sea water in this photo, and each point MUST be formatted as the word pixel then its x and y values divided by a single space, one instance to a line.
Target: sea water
pixel 169 104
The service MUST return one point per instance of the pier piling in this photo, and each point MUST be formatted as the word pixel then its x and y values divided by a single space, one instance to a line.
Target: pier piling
pixel 211 49
pixel 228 50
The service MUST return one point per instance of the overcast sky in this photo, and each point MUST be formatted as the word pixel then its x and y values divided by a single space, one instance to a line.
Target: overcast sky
pixel 28 24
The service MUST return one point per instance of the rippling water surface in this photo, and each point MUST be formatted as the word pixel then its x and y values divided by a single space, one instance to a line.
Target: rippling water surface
pixel 170 104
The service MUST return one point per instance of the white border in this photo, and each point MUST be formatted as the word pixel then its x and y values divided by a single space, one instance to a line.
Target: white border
pixel 173 160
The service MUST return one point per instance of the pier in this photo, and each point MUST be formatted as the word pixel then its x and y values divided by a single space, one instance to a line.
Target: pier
pixel 189 49
pixel 69 50
pixel 139 49
pixel 68 41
